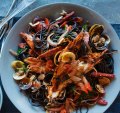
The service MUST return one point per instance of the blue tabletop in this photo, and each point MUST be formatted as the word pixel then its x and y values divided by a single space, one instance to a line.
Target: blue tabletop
pixel 109 9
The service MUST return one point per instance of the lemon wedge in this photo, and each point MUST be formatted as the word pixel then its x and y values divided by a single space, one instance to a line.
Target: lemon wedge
pixel 67 57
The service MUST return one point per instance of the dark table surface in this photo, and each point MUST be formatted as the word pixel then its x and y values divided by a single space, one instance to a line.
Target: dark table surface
pixel 8 107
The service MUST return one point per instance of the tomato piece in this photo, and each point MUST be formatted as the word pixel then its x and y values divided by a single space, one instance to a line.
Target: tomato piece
pixel 101 101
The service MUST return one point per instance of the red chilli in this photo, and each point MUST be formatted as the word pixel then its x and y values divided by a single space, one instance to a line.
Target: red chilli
pixel 101 101
pixel 47 22
pixel 65 18
pixel 99 74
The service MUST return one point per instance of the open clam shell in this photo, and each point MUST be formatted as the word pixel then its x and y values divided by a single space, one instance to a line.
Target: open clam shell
pixel 36 85
pixel 19 75
pixel 107 39
pixel 97 38
pixel 103 43
pixel 17 64
pixel 96 29
pixel 25 83
pixel 100 42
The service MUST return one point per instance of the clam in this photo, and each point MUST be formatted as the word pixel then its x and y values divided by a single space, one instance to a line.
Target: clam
pixel 17 64
pixel 19 75
pixel 95 38
pixel 96 29
pixel 99 40
pixel 36 85
pixel 100 89
pixel 25 83
pixel 103 42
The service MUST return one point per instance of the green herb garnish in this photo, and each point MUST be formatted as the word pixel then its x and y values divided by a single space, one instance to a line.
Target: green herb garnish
pixel 20 50
pixel 85 27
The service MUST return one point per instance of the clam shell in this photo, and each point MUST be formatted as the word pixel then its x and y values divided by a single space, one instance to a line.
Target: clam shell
pixel 107 42
pixel 27 86
pixel 17 64
pixel 96 29
pixel 107 38
pixel 18 77
pixel 25 83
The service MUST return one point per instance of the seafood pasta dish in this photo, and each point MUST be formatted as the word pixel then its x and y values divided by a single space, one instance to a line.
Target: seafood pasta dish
pixel 63 64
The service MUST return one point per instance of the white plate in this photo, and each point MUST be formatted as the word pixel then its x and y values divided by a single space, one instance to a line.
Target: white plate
pixel 52 11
